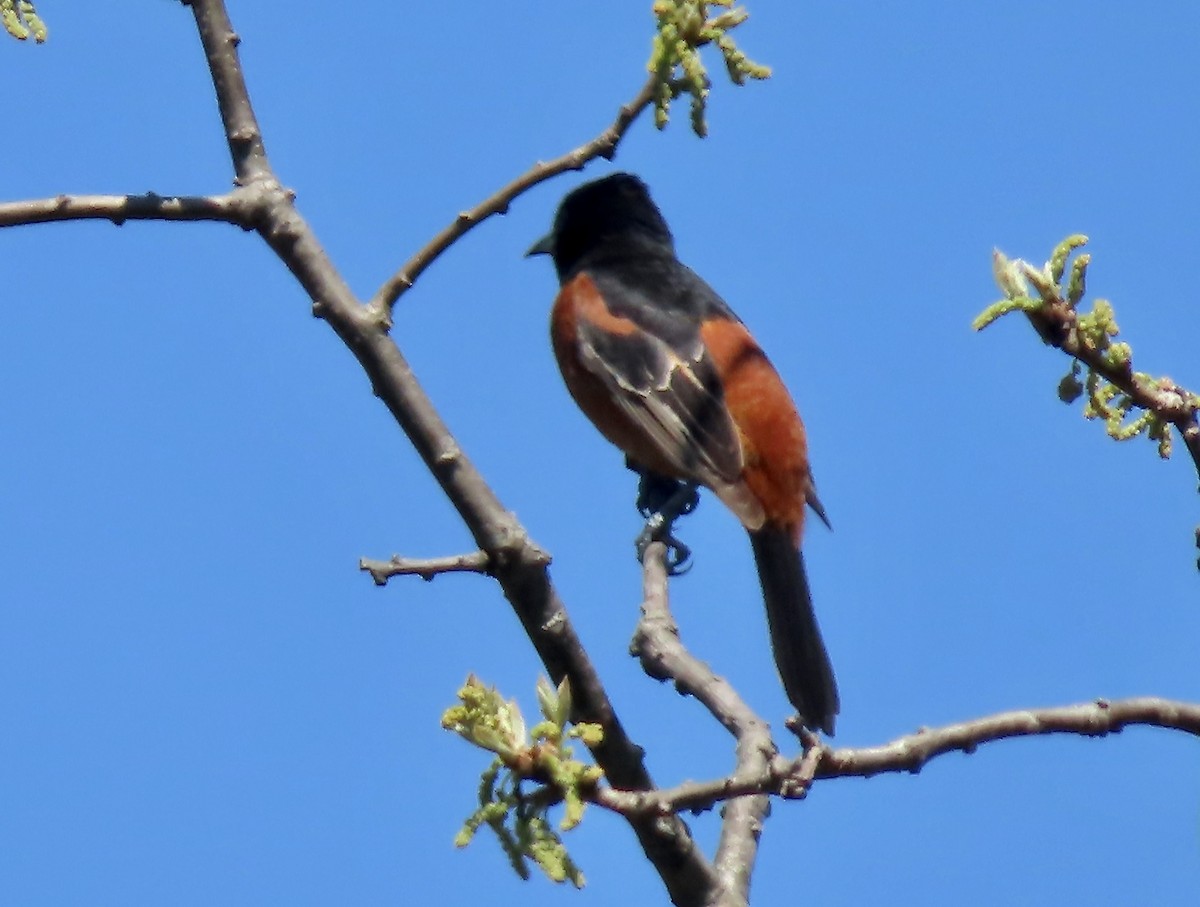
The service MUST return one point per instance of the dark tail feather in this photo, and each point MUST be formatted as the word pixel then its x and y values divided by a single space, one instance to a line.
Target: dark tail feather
pixel 795 637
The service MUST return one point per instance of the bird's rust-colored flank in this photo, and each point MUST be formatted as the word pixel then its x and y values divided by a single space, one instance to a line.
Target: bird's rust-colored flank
pixel 773 441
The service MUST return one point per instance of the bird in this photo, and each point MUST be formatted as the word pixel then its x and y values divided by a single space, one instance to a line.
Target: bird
pixel 666 371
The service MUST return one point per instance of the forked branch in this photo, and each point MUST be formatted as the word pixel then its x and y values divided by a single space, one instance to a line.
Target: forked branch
pixel 910 753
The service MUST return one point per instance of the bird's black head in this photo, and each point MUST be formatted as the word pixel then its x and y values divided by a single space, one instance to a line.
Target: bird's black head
pixel 608 215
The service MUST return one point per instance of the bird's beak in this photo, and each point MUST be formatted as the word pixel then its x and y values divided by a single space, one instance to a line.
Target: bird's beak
pixel 544 246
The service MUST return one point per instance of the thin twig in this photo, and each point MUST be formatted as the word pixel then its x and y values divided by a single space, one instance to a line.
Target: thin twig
pixel 1090 719
pixel 232 208
pixel 604 145
pixel 426 568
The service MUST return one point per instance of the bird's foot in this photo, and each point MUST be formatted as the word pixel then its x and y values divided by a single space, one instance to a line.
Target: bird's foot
pixel 678 558
pixel 662 501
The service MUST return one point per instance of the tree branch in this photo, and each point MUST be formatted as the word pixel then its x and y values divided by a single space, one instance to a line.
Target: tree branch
pixel 1089 719
pixel 426 568
pixel 1054 314
pixel 233 208
pixel 1171 403
pixel 220 42
pixel 604 145
pixel 909 753
pixel 657 644
pixel 518 564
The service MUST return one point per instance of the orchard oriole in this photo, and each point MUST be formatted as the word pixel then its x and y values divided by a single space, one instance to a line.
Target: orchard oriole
pixel 670 375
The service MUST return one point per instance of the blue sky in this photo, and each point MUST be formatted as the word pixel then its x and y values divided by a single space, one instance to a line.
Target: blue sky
pixel 203 701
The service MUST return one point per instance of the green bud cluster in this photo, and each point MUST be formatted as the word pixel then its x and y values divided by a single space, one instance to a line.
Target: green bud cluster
pixel 1050 298
pixel 682 28
pixel 539 758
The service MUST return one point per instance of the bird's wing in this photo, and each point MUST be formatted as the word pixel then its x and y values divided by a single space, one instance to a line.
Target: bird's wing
pixel 660 374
